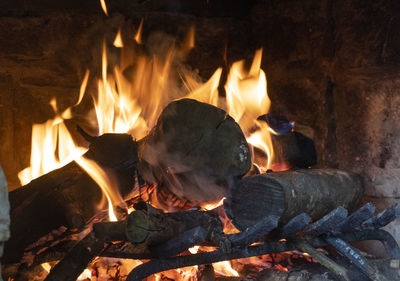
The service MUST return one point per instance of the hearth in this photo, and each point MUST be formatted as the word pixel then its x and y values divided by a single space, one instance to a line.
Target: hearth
pixel 158 154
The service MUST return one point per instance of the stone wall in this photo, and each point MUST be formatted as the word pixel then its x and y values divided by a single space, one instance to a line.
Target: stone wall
pixel 332 66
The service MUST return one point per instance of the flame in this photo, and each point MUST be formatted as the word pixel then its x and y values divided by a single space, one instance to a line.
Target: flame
pixel 86 274
pixel 52 146
pixel 224 268
pixel 138 35
pixel 118 40
pixel 247 99
pixel 104 6
pixel 46 266
pixel 212 205
pixel 188 42
pixel 104 182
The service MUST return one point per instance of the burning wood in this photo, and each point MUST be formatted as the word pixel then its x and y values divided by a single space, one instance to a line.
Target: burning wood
pixel 67 196
pixel 196 153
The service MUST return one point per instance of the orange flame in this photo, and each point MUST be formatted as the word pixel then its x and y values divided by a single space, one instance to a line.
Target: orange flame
pixel 118 40
pixel 138 35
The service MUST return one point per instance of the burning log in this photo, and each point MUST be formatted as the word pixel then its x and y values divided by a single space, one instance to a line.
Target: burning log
pixel 308 243
pixel 194 145
pixel 290 193
pixel 164 234
pixel 193 150
pixel 67 196
pixel 72 265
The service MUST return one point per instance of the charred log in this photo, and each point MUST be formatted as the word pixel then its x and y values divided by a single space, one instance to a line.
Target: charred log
pixel 157 231
pixel 294 149
pixel 72 265
pixel 288 194
pixel 67 196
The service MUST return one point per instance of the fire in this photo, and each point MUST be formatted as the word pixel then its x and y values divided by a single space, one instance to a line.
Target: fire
pixel 130 102
pixel 224 268
pixel 118 40
pixel 247 99
pixel 104 6
pixel 213 205
pixel 104 182
pixel 138 35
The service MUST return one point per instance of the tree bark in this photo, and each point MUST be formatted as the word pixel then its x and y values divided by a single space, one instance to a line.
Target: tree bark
pixel 290 193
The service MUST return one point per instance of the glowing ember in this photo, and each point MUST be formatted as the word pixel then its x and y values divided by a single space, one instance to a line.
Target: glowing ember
pixel 224 268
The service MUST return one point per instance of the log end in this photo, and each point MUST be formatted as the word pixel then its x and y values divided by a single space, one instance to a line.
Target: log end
pixel 137 227
pixel 251 199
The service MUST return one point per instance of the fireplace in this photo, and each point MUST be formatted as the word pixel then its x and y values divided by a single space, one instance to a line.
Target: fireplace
pixel 331 67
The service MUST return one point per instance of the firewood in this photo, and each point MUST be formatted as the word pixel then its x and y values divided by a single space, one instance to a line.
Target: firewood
pixel 194 150
pixel 72 265
pixel 294 149
pixel 67 196
pixel 157 231
pixel 290 193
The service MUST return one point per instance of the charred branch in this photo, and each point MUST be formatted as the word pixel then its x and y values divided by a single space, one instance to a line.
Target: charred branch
pixel 72 265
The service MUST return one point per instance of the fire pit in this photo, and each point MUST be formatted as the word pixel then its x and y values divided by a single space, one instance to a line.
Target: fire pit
pixel 149 171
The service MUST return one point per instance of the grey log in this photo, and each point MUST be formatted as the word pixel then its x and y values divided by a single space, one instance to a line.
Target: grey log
pixel 288 194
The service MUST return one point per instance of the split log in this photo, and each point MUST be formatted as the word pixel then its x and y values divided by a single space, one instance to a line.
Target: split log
pixel 193 150
pixel 290 193
pixel 67 196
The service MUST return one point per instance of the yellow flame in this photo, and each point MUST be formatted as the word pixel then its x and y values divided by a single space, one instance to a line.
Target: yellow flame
pixel 86 274
pixel 213 205
pixel 104 6
pixel 132 106
pixel 52 147
pixel 104 182
pixel 224 268
pixel 247 99
pixel 46 266
pixel 118 40
pixel 208 92
pixel 138 35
